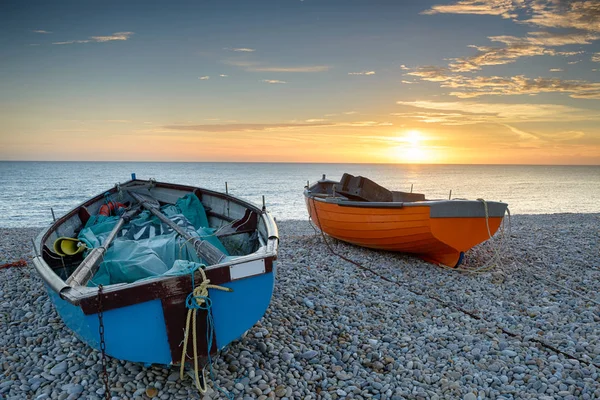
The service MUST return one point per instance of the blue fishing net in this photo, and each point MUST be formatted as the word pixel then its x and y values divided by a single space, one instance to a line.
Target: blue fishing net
pixel 147 247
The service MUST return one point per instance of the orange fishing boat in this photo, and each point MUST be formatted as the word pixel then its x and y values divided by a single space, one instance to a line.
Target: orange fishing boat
pixel 359 211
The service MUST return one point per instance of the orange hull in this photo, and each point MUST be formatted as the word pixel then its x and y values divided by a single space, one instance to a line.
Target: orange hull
pixel 409 229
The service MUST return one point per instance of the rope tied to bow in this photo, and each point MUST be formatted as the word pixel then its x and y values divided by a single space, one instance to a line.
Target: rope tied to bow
pixel 198 300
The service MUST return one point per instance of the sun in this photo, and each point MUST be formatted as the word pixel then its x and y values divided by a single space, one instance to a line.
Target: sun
pixel 410 148
pixel 413 137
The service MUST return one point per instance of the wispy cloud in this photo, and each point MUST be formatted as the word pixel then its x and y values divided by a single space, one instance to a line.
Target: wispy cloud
pixel 535 44
pixel 240 49
pixel 308 68
pixel 365 123
pixel 204 78
pixel 254 66
pixel 223 76
pixel 240 127
pixel 114 36
pixel 556 70
pixel 470 112
pixel 362 73
pixel 578 14
pixel 273 81
pixel 73 42
pixel 503 8
pixel 596 57
pixel 431 73
pixel 117 36
pixel 41 31
pixel 469 86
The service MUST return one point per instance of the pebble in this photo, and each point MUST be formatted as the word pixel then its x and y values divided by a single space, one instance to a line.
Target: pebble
pixel 336 330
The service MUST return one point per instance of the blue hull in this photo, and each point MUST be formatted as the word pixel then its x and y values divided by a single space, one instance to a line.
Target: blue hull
pixel 139 332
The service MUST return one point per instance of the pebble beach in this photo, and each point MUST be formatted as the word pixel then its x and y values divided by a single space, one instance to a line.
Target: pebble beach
pixel 527 326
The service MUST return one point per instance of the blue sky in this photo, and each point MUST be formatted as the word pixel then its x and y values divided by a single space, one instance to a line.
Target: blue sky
pixel 499 81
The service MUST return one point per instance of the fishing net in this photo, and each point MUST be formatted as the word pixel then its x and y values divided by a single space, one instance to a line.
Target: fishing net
pixel 147 247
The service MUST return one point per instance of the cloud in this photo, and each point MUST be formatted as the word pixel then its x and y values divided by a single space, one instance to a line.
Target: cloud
pixel 474 86
pixel 240 49
pixel 204 78
pixel 596 57
pixel 577 14
pixel 404 67
pixel 240 127
pixel 556 70
pixel 253 66
pixel 560 39
pixel 536 44
pixel 41 31
pixel 365 123
pixel 223 76
pixel 570 14
pixel 274 81
pixel 431 73
pixel 503 8
pixel 518 85
pixel 73 41
pixel 470 112
pixel 100 39
pixel 362 73
pixel 313 68
pixel 114 36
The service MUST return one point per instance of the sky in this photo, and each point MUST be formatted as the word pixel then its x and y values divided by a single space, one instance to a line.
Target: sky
pixel 352 81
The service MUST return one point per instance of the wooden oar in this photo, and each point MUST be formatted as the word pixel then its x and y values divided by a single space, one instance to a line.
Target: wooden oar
pixel 89 266
pixel 204 249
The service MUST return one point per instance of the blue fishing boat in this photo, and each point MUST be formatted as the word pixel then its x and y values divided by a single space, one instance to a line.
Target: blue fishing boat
pixel 160 273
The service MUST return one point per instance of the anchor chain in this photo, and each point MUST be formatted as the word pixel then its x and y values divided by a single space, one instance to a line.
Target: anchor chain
pixel 102 344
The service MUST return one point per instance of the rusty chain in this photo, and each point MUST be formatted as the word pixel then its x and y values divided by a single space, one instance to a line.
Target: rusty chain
pixel 102 344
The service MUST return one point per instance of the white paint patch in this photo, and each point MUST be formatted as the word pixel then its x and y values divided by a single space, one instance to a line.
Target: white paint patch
pixel 251 268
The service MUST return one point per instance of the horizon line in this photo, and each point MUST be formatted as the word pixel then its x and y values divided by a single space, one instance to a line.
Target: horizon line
pixel 298 162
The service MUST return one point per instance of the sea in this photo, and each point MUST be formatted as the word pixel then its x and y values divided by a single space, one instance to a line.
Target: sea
pixel 30 190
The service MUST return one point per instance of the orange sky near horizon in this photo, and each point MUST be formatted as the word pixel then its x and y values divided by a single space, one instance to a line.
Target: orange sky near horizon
pixel 432 82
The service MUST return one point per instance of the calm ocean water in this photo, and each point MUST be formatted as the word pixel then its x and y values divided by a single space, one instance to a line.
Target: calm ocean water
pixel 29 189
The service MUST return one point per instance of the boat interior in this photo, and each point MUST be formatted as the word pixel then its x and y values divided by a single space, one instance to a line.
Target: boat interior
pixel 234 227
pixel 359 188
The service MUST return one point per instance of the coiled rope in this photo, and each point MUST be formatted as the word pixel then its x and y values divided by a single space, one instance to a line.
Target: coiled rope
pixel 198 300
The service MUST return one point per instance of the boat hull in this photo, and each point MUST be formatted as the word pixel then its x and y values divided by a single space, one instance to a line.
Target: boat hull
pixel 145 321
pixel 408 228
pixel 151 332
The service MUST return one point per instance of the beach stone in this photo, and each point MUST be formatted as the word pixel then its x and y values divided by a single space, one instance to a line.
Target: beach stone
pixel 309 354
pixel 59 368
